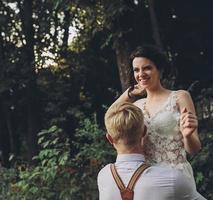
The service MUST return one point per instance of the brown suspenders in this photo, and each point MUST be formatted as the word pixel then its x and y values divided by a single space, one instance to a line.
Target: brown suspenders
pixel 127 193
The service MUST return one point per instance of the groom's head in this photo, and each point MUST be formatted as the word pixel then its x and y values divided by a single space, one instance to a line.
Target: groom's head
pixel 125 124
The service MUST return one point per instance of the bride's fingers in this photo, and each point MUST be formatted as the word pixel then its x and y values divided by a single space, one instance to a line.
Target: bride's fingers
pixel 190 124
pixel 188 119
pixel 188 115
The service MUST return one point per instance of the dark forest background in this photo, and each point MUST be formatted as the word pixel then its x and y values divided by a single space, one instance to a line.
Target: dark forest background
pixel 55 89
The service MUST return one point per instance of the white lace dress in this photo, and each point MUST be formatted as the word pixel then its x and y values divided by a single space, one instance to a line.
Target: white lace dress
pixel 164 144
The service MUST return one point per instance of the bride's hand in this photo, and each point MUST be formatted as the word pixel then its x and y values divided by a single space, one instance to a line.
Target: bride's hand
pixel 189 123
pixel 137 90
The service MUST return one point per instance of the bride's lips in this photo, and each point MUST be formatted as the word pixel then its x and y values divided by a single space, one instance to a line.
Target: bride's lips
pixel 144 81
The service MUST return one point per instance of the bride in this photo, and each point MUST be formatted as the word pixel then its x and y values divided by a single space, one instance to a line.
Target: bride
pixel 172 126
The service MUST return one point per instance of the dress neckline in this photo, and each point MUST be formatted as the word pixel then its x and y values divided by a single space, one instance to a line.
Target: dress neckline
pixel 161 107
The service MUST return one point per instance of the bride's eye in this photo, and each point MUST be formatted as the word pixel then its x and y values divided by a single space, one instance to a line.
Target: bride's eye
pixel 135 69
pixel 147 67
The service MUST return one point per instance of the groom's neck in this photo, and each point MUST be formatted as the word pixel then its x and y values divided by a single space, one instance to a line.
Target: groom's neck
pixel 129 150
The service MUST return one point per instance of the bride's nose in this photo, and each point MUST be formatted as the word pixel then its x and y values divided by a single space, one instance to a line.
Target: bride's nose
pixel 142 73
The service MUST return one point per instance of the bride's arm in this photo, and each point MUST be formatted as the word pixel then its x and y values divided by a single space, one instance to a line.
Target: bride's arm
pixel 130 94
pixel 188 122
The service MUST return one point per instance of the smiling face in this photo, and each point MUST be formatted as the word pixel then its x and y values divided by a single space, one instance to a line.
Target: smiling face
pixel 145 72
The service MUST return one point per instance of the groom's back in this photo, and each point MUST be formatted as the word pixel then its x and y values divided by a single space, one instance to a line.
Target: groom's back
pixel 156 183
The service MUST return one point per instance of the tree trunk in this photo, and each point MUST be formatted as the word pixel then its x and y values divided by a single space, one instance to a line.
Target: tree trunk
pixel 4 140
pixel 4 134
pixel 66 26
pixel 122 55
pixel 13 148
pixel 154 22
pixel 31 90
pixel 32 122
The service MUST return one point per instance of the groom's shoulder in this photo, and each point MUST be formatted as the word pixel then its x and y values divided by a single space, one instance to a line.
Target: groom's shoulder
pixel 166 176
pixel 104 172
pixel 160 171
pixel 166 183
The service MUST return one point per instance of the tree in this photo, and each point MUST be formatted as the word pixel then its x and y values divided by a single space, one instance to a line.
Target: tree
pixel 28 30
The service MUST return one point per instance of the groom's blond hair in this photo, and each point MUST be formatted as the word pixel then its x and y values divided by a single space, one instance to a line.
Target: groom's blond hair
pixel 124 121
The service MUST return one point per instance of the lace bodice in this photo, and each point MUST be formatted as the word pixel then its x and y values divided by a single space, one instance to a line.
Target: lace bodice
pixel 164 143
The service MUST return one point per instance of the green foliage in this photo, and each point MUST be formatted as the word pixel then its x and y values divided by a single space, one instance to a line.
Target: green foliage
pixel 88 21
pixel 7 179
pixel 59 174
pixel 202 165
pixel 96 146
pixel 49 177
pixel 93 153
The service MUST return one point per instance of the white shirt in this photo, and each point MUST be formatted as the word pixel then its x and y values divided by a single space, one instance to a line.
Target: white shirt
pixel 156 183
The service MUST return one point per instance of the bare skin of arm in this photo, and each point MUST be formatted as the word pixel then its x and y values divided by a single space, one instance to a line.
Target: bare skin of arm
pixel 136 91
pixel 188 123
pixel 124 98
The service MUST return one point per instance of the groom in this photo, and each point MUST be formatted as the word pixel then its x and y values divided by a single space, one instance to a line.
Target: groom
pixel 126 132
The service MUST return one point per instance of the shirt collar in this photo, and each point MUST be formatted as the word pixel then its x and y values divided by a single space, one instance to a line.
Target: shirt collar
pixel 130 157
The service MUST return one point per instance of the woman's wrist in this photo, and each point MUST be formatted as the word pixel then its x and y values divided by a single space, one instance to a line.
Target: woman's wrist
pixel 129 93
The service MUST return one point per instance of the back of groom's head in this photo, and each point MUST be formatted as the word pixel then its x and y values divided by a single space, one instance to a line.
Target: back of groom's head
pixel 124 122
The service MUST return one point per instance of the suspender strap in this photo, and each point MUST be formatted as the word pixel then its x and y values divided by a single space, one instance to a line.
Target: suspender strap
pixel 117 178
pixel 136 176
pixel 127 192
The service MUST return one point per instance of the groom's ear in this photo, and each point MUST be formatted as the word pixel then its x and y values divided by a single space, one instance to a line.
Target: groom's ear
pixel 109 138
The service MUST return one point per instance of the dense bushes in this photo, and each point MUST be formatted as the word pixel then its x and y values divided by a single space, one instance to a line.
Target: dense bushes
pixel 202 165
pixel 59 173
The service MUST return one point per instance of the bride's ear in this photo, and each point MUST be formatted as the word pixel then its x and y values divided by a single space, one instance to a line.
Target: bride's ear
pixel 109 138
